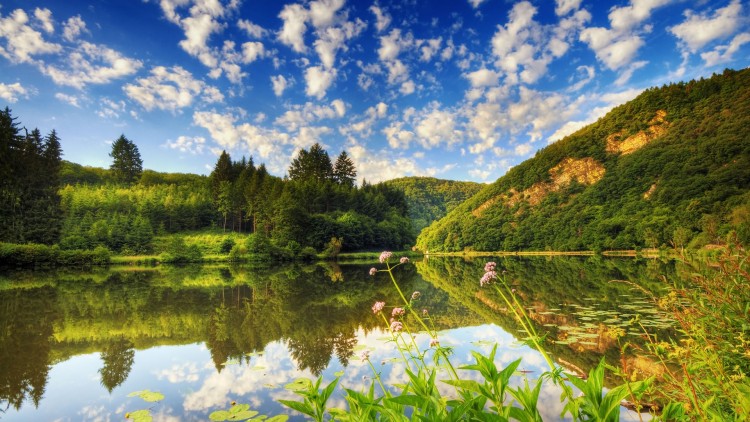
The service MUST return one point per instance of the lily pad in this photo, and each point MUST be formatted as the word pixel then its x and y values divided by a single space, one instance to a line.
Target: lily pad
pixel 147 395
pixel 142 415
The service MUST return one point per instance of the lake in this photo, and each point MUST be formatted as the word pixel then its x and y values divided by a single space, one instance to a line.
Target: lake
pixel 75 344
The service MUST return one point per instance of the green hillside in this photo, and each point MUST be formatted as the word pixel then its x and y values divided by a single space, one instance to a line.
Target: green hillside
pixel 430 199
pixel 671 167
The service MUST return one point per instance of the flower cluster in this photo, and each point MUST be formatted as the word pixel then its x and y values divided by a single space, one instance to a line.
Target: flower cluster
pixel 365 355
pixel 490 266
pixel 398 312
pixel 415 295
pixel 373 270
pixel 487 278
pixel 404 260
pixel 377 307
pixel 396 326
pixel 384 257
pixel 434 342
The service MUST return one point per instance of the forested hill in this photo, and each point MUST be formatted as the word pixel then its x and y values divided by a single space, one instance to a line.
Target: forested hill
pixel 430 199
pixel 671 167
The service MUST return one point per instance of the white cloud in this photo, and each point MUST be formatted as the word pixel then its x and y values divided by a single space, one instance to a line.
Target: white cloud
pixel 563 7
pixel 430 48
pixel 44 16
pixel 587 75
pixel 251 29
pixel 724 53
pixel 303 115
pixel 70 99
pixel 10 93
pixel 617 47
pixel 483 78
pixel 252 51
pixel 280 84
pixel 323 12
pixel 392 44
pixel 171 89
pixel 627 17
pixel 408 87
pixel 187 144
pixel 523 149
pixel 92 64
pixel 293 31
pixel 437 127
pixel 476 3
pixel 628 73
pixel 318 81
pixel 259 142
pixel 331 39
pixel 73 27
pixel 699 29
pixel 23 42
pixel 377 166
pixel 382 19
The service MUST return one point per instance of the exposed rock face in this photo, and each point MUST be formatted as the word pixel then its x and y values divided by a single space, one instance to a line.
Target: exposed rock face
pixel 585 171
pixel 658 127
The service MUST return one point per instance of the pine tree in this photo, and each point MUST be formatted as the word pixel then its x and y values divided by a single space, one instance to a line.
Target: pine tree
pixel 312 165
pixel 344 172
pixel 127 164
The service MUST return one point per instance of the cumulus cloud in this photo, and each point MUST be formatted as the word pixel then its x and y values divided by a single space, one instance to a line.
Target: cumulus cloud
pixel 318 81
pixel 585 74
pixel 252 51
pixel 11 92
pixel 44 17
pixel 476 3
pixel 723 53
pixel 483 78
pixel 170 89
pixel 293 31
pixel 523 48
pixel 92 64
pixel 323 12
pixel 617 46
pixel 69 99
pixel 300 116
pixel 73 27
pixel 203 19
pixel 251 29
pixel 187 144
pixel 563 7
pixel 259 142
pixel 700 29
pixel 382 19
pixel 22 42
pixel 280 84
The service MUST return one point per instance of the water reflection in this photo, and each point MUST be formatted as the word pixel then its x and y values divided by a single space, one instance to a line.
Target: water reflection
pixel 204 334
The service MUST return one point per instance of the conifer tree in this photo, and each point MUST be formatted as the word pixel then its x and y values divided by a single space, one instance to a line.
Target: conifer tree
pixel 344 172
pixel 312 165
pixel 127 164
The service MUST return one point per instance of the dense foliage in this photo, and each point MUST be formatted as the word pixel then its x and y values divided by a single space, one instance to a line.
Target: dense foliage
pixel 29 180
pixel 430 199
pixel 686 184
pixel 317 203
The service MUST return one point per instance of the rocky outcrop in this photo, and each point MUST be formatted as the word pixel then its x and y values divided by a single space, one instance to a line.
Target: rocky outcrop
pixel 658 126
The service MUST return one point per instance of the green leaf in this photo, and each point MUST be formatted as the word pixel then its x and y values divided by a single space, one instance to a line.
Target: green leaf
pixel 406 399
pixel 278 418
pixel 298 406
pixel 239 408
pixel 243 415
pixel 143 415
pixel 298 384
pixel 147 395
pixel 219 415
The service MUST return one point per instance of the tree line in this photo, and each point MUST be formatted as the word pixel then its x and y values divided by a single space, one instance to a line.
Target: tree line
pixel 47 200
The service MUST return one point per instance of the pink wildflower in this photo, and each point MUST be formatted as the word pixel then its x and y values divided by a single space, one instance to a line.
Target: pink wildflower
pixel 365 355
pixel 415 295
pixel 424 312
pixel 373 270
pixel 377 307
pixel 404 260
pixel 434 342
pixel 397 312
pixel 385 256
pixel 396 326
pixel 490 266
pixel 487 278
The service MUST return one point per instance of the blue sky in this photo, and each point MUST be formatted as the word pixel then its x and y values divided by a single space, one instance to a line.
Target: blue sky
pixel 460 89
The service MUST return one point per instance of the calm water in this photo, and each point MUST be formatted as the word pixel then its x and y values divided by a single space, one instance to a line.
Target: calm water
pixel 73 345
